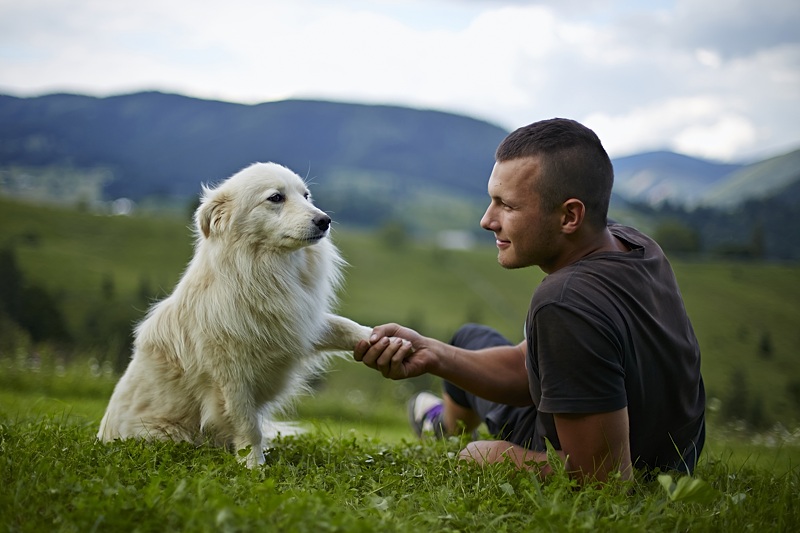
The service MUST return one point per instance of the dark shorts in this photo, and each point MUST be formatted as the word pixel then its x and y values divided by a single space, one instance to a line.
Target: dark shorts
pixel 504 422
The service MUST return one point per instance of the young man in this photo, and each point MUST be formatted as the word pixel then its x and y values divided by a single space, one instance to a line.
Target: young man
pixel 609 371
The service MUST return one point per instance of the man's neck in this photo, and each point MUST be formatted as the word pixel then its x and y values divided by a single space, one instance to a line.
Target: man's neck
pixel 588 244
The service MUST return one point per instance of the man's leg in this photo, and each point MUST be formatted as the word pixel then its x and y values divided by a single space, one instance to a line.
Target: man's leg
pixel 442 416
pixel 460 411
pixel 457 418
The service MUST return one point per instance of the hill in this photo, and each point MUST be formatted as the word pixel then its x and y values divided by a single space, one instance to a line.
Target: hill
pixel 371 166
pixel 655 177
pixel 773 178
pixel 155 143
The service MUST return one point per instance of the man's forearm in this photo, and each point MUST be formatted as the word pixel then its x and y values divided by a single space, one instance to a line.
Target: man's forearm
pixel 497 374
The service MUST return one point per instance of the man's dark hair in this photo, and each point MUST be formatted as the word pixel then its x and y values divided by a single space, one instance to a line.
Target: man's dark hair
pixel 574 164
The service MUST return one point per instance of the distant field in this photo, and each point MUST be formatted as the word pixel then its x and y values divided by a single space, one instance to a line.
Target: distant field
pixel 734 306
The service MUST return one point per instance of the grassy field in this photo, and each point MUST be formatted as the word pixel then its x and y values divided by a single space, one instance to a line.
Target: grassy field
pixel 358 467
pixel 733 305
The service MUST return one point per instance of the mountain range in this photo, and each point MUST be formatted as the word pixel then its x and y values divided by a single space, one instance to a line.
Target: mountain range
pixel 366 163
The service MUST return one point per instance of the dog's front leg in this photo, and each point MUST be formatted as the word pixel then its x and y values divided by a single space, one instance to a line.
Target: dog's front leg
pixel 342 334
pixel 253 439
pixel 245 423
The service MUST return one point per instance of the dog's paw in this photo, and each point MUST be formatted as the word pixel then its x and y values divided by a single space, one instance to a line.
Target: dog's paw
pixel 365 333
pixel 251 457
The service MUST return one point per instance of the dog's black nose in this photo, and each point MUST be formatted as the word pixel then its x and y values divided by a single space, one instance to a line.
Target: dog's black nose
pixel 323 222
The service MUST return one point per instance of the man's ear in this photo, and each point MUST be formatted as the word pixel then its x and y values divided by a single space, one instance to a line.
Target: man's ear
pixel 213 214
pixel 573 212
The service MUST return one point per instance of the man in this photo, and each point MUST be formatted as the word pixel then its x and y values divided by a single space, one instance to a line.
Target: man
pixel 609 371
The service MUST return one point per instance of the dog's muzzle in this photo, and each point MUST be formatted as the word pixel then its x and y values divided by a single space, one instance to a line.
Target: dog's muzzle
pixel 322 222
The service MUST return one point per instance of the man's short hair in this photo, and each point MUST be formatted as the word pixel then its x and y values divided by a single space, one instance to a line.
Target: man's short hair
pixel 574 164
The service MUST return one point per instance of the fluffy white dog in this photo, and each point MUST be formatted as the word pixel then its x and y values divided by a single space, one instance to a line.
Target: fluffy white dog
pixel 248 322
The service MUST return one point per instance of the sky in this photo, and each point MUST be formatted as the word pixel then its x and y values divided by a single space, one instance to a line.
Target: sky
pixel 717 79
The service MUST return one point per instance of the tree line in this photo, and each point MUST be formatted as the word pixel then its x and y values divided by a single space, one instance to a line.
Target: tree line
pixel 32 316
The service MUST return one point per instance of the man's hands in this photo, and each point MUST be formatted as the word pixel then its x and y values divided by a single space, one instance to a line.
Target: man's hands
pixel 396 352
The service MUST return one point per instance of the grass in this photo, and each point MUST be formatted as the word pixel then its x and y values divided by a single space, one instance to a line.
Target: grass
pixel 732 305
pixel 356 469
pixel 56 477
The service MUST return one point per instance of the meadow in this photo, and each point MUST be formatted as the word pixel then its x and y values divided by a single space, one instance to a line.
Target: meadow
pixel 358 468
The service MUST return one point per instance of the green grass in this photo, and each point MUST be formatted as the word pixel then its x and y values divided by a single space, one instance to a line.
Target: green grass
pixel 732 305
pixel 354 470
pixel 357 468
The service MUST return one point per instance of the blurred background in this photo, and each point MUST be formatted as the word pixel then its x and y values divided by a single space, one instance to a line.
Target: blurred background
pixel 112 116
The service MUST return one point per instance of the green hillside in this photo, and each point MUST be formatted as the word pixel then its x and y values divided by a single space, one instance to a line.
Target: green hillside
pixel 760 180
pixel 101 271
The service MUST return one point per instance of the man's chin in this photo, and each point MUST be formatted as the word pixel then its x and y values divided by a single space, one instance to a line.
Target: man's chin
pixel 509 263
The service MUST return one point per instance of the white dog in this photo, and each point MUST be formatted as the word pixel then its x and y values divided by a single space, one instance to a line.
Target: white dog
pixel 248 322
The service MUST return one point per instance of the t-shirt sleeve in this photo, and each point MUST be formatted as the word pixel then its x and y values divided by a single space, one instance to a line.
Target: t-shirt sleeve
pixel 579 361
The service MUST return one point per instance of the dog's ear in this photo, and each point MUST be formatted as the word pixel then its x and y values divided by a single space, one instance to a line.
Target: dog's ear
pixel 213 214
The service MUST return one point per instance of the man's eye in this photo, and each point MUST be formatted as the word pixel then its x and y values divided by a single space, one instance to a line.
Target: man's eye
pixel 276 198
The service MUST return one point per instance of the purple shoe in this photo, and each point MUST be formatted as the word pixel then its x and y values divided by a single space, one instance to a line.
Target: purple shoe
pixel 425 413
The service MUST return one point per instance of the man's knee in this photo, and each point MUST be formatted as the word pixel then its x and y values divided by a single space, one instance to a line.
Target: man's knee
pixel 477 336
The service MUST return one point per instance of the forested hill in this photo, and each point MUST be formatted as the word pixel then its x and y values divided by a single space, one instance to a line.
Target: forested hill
pixel 369 165
pixel 155 143
pixel 151 143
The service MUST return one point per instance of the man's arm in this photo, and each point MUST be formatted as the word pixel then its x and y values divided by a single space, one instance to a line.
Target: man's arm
pixel 497 374
pixel 594 446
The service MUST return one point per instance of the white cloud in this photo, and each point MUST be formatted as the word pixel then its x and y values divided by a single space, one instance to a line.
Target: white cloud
pixel 722 137
pixel 697 126
pixel 679 74
pixel 707 57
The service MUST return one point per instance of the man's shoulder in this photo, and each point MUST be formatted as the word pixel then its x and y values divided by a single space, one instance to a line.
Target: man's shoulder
pixel 632 236
pixel 582 281
pixel 563 285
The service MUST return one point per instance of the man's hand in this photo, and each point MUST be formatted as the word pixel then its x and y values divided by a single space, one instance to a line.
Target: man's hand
pixel 497 451
pixel 395 351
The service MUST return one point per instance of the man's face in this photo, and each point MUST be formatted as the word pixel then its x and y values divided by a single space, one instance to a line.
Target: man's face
pixel 525 234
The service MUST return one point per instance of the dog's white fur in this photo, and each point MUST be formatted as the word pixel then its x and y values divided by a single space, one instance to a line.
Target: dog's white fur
pixel 247 323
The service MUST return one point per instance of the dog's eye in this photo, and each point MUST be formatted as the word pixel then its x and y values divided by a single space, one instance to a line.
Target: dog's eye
pixel 276 198
pixel 307 195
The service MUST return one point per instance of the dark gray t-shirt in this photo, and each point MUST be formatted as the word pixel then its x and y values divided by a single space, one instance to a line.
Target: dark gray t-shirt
pixel 611 331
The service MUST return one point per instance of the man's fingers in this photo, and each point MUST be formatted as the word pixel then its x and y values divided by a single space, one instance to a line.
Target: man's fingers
pixel 374 351
pixel 360 350
pixel 384 362
pixel 396 367
pixel 379 332
pixel 385 354
pixel 403 350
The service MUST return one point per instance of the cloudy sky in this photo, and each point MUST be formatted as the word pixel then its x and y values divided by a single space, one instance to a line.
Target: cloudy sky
pixel 712 78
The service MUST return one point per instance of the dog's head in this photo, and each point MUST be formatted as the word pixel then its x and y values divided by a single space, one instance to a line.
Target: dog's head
pixel 265 204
